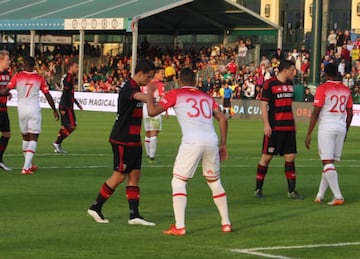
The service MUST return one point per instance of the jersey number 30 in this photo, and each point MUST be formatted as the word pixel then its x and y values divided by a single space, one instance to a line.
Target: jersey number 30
pixel 199 107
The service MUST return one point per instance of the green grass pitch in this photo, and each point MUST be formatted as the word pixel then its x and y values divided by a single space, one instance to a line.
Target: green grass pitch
pixel 44 215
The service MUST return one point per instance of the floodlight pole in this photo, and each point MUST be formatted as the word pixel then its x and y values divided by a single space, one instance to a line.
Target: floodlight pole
pixel 316 42
pixel 81 58
pixel 135 36
pixel 32 43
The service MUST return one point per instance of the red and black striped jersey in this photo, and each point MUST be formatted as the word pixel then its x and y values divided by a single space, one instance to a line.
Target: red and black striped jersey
pixel 67 98
pixel 280 96
pixel 4 80
pixel 127 127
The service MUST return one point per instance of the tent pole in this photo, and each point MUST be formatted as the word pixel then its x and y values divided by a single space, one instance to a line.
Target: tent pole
pixel 81 59
pixel 32 43
pixel 134 27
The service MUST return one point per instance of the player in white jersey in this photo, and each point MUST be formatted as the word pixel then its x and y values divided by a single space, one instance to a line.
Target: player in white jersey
pixel 195 111
pixel 28 83
pixel 333 109
pixel 153 125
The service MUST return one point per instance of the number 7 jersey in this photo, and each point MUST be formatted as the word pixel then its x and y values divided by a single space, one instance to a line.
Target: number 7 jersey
pixel 194 112
pixel 334 98
pixel 28 85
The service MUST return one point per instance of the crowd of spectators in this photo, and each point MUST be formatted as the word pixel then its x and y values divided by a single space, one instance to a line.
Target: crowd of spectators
pixel 217 67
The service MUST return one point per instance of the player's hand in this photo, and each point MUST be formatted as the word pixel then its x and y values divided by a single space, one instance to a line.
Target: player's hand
pixel 223 153
pixel 10 96
pixel 80 107
pixel 56 115
pixel 308 141
pixel 267 130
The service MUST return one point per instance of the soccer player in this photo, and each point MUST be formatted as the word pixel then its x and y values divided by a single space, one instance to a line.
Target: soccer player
pixel 66 107
pixel 333 110
pixel 28 83
pixel 127 147
pixel 153 125
pixel 279 127
pixel 4 117
pixel 195 111
pixel 227 97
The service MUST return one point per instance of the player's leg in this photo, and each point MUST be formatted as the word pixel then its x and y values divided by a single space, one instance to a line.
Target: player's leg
pixel 146 121
pixel 68 125
pixel 4 139
pixel 155 127
pixel 30 141
pixel 108 188
pixel 268 150
pixel 211 171
pixel 185 166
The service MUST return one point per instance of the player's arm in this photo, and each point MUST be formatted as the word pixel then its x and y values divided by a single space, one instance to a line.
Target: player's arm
pixel 313 119
pixel 140 97
pixel 78 104
pixel 5 91
pixel 223 125
pixel 265 117
pixel 52 105
pixel 349 116
pixel 153 108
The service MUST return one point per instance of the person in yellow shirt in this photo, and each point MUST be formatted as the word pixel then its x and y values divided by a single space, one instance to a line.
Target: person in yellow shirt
pixel 170 76
pixel 355 54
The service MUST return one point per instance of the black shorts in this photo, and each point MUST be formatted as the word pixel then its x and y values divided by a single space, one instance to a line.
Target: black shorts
pixel 68 120
pixel 126 158
pixel 280 143
pixel 4 122
pixel 226 102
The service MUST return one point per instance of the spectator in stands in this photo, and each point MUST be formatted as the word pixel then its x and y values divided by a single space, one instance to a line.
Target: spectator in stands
pixel 242 52
pixel 340 41
pixel 331 40
pixel 279 54
pixel 308 96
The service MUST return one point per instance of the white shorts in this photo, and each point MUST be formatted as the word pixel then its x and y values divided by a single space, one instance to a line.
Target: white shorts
pixel 189 156
pixel 30 121
pixel 330 144
pixel 153 123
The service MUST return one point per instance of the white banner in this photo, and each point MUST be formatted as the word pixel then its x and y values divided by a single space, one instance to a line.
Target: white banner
pixel 94 24
pixel 90 101
pixel 47 39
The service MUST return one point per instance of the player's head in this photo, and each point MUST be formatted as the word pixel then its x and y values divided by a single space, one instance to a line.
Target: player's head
pixel 144 72
pixel 73 68
pixel 159 73
pixel 330 70
pixel 187 77
pixel 4 59
pixel 29 63
pixel 287 69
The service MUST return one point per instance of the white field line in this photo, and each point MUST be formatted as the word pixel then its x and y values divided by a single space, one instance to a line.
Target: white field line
pixel 255 251
pixel 62 9
pixel 23 7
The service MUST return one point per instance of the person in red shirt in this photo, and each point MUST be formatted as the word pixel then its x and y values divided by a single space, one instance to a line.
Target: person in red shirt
pixel 232 67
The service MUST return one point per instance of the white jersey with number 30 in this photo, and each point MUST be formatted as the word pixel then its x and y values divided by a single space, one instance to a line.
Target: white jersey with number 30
pixel 334 98
pixel 194 111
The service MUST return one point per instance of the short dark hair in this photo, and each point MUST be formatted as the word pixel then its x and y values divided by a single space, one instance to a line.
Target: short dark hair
pixel 144 66
pixel 29 61
pixel 285 64
pixel 187 76
pixel 331 69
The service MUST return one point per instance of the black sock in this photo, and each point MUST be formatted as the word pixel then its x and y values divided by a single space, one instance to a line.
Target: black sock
pixel 3 144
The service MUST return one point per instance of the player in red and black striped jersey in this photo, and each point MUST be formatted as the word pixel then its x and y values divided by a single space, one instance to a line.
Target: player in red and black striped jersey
pixel 126 145
pixel 66 107
pixel 4 117
pixel 279 127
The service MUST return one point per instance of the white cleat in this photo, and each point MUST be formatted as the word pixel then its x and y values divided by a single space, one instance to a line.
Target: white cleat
pixel 98 217
pixel 4 167
pixel 57 148
pixel 140 221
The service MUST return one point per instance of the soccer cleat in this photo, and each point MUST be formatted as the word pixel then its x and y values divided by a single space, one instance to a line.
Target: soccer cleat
pixel 27 171
pixel 57 148
pixel 259 194
pixel 140 221
pixel 34 167
pixel 97 216
pixel 295 196
pixel 335 202
pixel 175 231
pixel 226 228
pixel 4 167
pixel 152 160
pixel 318 200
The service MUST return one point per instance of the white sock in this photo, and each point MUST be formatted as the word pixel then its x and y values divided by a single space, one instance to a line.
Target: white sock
pixel 147 146
pixel 322 186
pixel 152 149
pixel 25 145
pixel 332 178
pixel 220 200
pixel 30 151
pixel 179 201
